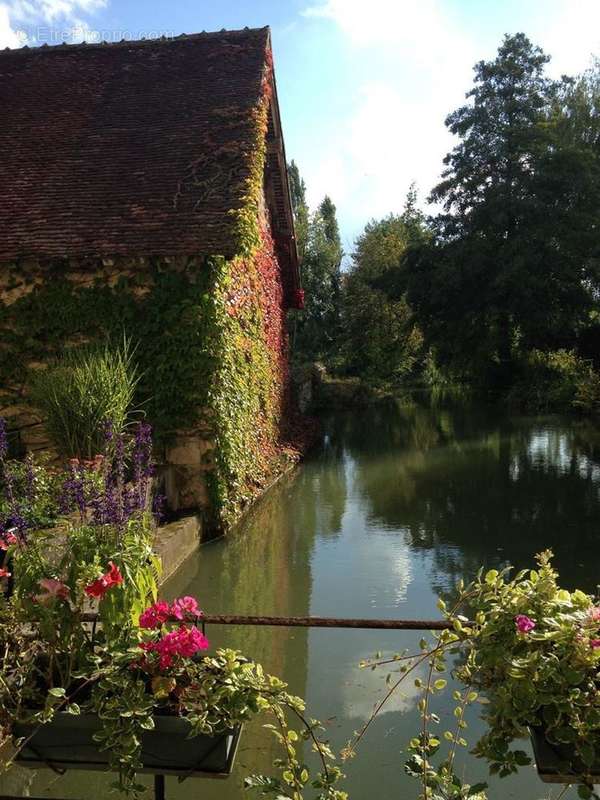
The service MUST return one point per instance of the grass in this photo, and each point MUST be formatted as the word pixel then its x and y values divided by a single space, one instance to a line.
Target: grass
pixel 84 389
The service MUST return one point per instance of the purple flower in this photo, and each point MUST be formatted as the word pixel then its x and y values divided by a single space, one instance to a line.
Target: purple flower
pixel 15 517
pixel 524 624
pixel 3 439
pixel 108 431
pixel 73 490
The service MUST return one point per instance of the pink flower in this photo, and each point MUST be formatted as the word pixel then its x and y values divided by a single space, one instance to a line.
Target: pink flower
pixel 155 616
pixel 524 624
pixel 185 606
pixel 52 590
pixel 4 573
pixel 594 614
pixel 7 540
pixel 184 642
pixel 101 585
pixel 595 643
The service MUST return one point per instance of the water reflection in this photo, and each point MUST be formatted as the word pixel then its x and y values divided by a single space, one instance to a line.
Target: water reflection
pixel 400 502
pixel 481 488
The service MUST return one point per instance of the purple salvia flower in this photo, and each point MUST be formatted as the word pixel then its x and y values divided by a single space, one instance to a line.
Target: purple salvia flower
pixel 108 431
pixel 73 491
pixel 16 521
pixel 3 439
pixel 15 517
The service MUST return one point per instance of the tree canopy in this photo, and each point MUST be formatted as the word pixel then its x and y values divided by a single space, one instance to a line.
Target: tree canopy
pixel 512 264
pixel 316 329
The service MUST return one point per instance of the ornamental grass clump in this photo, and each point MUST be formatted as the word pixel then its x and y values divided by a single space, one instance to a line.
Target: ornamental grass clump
pixel 84 389
pixel 141 659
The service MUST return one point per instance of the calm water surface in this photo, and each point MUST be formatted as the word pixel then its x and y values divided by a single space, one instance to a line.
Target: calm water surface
pixel 399 503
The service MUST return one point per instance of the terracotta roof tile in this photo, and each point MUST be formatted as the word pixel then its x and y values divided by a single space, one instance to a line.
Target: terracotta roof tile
pixel 128 148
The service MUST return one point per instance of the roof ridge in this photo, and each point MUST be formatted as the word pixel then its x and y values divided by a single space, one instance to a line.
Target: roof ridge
pixel 46 48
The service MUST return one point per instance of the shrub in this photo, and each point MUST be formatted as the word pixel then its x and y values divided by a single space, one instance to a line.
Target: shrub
pixel 587 390
pixel 85 389
pixel 556 381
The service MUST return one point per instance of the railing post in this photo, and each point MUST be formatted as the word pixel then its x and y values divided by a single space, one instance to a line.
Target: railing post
pixel 159 787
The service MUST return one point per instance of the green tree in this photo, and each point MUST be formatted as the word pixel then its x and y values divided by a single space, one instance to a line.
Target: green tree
pixel 382 342
pixel 299 207
pixel 317 326
pixel 511 264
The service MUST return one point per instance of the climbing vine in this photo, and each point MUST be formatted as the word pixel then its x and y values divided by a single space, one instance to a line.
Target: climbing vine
pixel 251 377
pixel 210 337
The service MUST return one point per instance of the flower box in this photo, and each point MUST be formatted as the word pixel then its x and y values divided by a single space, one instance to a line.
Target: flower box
pixel 67 743
pixel 554 761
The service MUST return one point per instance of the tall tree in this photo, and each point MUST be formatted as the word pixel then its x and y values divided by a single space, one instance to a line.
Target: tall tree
pixel 382 342
pixel 299 207
pixel 510 265
pixel 315 330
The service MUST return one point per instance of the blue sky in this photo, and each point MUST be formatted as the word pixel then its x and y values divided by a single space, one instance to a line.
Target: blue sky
pixel 364 85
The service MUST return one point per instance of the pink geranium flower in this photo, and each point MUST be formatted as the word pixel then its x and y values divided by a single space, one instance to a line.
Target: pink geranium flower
pixel 185 606
pixel 594 614
pixel 4 573
pixel 524 624
pixel 101 585
pixel 184 642
pixel 154 616
pixel 53 590
pixel 595 643
pixel 7 540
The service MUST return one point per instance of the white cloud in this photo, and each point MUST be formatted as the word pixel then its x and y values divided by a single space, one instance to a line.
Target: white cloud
pixel 394 131
pixel 51 21
pixel 9 37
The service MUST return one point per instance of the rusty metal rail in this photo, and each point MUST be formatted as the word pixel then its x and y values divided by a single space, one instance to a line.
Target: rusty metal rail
pixel 317 622
pixel 329 622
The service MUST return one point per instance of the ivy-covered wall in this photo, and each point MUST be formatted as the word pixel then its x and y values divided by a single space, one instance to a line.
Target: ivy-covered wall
pixel 210 337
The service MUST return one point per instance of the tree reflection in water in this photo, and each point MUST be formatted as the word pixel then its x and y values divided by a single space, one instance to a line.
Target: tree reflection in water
pixel 478 487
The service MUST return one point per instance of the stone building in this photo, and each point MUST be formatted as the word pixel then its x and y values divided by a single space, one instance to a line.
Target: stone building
pixel 143 190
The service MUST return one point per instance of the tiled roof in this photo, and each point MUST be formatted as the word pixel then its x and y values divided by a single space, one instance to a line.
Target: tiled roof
pixel 127 148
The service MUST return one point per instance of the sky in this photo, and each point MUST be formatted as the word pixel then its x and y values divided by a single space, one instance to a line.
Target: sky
pixel 364 85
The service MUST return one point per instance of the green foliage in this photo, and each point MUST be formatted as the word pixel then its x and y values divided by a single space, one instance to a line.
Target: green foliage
pixel 85 388
pixel 381 341
pixel 316 329
pixel 556 381
pixel 299 208
pixel 166 326
pixel 36 484
pixel 513 263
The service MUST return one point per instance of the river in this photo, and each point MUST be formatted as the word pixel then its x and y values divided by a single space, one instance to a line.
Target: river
pixel 400 501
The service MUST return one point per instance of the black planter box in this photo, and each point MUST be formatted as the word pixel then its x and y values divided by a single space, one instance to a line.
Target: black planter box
pixel 67 743
pixel 553 761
